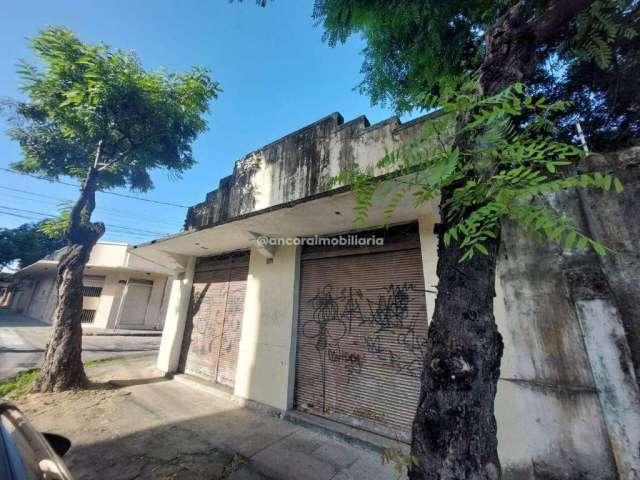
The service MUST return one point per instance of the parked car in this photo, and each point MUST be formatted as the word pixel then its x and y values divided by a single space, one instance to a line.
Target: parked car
pixel 25 453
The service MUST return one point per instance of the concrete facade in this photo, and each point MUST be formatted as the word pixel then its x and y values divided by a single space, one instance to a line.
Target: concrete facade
pixel 112 270
pixel 265 360
pixel 568 404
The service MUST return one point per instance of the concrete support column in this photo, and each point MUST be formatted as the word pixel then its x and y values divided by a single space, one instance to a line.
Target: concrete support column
pixel 266 358
pixel 177 308
pixel 109 301
pixel 429 254
pixel 611 364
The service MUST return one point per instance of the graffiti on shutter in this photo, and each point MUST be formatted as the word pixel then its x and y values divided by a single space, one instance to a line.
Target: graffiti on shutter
pixel 361 339
pixel 212 332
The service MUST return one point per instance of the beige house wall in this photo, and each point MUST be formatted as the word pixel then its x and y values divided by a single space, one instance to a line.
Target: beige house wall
pixel 110 302
pixel 38 299
pixel 178 299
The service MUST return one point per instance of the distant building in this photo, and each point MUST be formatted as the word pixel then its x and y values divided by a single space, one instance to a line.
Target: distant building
pixel 120 290
pixel 6 288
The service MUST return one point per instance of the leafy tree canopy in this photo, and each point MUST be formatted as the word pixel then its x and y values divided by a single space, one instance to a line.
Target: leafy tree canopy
pixel 27 243
pixel 413 45
pixel 91 96
pixel 503 173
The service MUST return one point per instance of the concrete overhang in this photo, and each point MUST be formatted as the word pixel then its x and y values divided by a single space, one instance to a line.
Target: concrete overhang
pixel 327 214
pixel 40 267
pixel 44 267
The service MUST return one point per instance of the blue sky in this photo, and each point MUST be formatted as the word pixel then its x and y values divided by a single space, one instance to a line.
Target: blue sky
pixel 276 74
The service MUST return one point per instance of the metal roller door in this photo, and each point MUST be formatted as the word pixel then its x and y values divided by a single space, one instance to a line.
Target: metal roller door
pixel 212 333
pixel 362 330
pixel 136 298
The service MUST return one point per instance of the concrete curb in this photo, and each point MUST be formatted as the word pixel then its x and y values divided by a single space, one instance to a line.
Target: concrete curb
pixel 350 435
pixel 122 333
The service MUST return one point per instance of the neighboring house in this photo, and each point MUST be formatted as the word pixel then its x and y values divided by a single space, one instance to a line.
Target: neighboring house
pixel 6 288
pixel 120 290
pixel 338 330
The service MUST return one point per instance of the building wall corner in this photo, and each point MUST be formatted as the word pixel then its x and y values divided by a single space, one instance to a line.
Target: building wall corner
pixel 266 358
pixel 176 315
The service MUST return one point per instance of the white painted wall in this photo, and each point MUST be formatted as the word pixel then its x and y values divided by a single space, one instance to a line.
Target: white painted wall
pixel 266 359
pixel 109 300
pixel 429 254
pixel 43 298
pixel 177 308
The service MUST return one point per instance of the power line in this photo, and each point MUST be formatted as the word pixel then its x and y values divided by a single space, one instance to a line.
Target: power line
pixel 133 197
pixel 109 232
pixel 16 215
pixel 120 213
pixel 48 215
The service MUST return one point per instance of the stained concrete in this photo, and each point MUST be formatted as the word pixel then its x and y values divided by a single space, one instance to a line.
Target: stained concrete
pixel 135 423
pixel 299 165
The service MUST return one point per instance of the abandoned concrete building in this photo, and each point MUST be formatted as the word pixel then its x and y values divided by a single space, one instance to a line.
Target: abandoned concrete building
pixel 120 290
pixel 334 333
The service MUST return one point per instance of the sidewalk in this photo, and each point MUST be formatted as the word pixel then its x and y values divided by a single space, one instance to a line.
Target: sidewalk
pixel 117 332
pixel 137 424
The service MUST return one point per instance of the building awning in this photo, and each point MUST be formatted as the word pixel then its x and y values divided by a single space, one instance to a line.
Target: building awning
pixel 40 267
pixel 324 215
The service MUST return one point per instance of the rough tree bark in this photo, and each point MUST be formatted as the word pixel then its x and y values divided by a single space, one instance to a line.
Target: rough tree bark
pixel 454 432
pixel 62 367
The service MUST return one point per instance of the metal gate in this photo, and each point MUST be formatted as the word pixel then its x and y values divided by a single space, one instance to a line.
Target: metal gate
pixel 212 333
pixel 135 303
pixel 362 330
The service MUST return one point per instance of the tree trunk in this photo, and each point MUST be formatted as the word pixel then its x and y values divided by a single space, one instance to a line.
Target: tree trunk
pixel 62 367
pixel 454 432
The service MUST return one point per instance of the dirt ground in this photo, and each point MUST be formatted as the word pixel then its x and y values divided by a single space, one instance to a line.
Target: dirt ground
pixel 135 424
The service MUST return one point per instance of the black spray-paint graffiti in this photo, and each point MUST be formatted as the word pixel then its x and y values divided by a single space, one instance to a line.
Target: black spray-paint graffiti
pixel 389 322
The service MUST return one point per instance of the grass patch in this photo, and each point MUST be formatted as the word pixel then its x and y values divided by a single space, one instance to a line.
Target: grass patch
pixel 98 363
pixel 18 385
pixel 21 383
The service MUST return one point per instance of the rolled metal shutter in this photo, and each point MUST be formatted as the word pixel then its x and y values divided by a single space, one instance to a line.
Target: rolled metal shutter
pixel 362 330
pixel 212 332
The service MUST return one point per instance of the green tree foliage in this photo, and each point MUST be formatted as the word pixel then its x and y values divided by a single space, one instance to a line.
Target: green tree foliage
pixel 603 92
pixel 26 244
pixel 502 173
pixel 56 227
pixel 94 113
pixel 91 94
pixel 413 45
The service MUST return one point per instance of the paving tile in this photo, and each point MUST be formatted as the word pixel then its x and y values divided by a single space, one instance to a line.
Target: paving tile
pixel 303 441
pixel 282 463
pixel 337 454
pixel 369 467
pixel 253 441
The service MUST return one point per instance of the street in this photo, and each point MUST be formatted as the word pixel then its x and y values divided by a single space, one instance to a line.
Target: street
pixel 23 340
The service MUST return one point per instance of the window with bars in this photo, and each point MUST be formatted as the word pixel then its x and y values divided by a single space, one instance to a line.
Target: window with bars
pixel 88 291
pixel 87 316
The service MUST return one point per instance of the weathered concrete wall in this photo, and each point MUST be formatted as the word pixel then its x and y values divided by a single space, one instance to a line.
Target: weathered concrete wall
pixel 299 165
pixel 568 403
